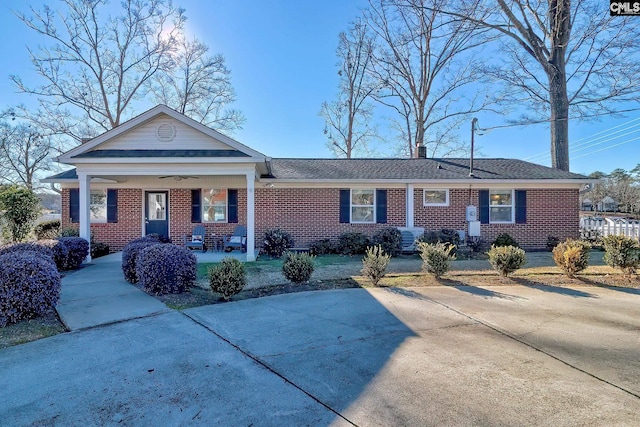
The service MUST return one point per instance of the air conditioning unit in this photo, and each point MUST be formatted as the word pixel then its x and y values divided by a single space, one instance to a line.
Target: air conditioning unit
pixel 409 236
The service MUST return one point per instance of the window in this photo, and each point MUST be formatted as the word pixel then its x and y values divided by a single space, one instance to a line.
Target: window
pixel 501 206
pixel 436 197
pixel 363 206
pixel 98 206
pixel 214 205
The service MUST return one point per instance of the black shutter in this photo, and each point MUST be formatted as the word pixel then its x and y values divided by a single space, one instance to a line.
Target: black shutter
pixel 112 205
pixel 232 209
pixel 345 206
pixel 74 204
pixel 484 206
pixel 521 207
pixel 381 206
pixel 196 205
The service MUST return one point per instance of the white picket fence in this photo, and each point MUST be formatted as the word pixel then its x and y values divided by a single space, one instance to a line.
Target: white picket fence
pixel 593 227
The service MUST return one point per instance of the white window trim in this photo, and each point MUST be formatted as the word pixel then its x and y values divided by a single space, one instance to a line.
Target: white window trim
pixel 106 208
pixel 512 205
pixel 424 194
pixel 204 192
pixel 351 206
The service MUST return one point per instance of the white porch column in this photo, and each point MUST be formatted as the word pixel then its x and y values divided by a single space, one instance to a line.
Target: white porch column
pixel 251 217
pixel 410 207
pixel 84 202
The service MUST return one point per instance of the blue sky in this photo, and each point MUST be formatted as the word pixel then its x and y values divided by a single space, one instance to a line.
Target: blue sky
pixel 282 57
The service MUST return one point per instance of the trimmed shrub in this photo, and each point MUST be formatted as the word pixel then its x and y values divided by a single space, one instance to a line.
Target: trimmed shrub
pixel 572 256
pixel 297 268
pixel 166 269
pixel 552 242
pixel 353 243
pixel 506 259
pixel 41 250
pixel 227 278
pixel 324 247
pixel 390 239
pixel 47 230
pixel 158 237
pixel 505 239
pixel 59 251
pixel 99 249
pixel 374 264
pixel 129 256
pixel 78 251
pixel 30 286
pixel 436 257
pixel 69 232
pixel 621 252
pixel 276 242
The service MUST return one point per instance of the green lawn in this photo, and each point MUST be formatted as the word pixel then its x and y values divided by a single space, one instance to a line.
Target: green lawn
pixel 270 264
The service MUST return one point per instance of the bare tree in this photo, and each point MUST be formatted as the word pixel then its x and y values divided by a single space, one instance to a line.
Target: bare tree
pixel 563 59
pixel 199 86
pixel 23 153
pixel 348 119
pixel 98 66
pixel 423 63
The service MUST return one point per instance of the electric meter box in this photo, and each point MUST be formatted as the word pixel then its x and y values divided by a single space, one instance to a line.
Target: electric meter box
pixel 472 213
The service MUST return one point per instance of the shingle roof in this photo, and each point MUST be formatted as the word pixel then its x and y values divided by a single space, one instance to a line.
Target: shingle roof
pixel 412 169
pixel 100 154
pixel 70 174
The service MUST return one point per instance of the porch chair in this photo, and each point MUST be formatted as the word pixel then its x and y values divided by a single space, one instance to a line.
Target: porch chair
pixel 196 240
pixel 238 240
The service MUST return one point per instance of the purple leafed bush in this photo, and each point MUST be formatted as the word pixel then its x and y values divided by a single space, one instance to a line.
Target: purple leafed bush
pixel 31 247
pixel 130 254
pixel 59 250
pixel 166 269
pixel 78 251
pixel 30 286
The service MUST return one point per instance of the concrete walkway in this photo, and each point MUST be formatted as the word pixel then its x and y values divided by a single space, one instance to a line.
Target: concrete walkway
pixel 97 294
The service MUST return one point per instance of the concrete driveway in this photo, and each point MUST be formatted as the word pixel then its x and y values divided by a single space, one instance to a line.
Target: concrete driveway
pixel 422 356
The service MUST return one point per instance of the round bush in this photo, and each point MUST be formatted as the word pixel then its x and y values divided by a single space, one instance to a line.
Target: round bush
pixel 324 247
pixel 30 286
pixel 297 268
pixel 30 247
pixel 59 250
pixel 436 257
pixel 47 229
pixel 506 259
pixel 276 242
pixel 227 278
pixel 390 239
pixel 572 256
pixel 621 252
pixel 353 243
pixel 130 254
pixel 78 251
pixel 166 269
pixel 505 239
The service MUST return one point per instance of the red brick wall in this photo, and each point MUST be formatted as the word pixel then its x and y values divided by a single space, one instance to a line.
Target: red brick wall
pixel 118 234
pixel 549 212
pixel 313 213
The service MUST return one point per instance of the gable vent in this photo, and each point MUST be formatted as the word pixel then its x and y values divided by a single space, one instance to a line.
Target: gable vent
pixel 166 132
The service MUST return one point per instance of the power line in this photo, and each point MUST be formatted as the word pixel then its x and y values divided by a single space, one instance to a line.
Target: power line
pixel 607 148
pixel 592 140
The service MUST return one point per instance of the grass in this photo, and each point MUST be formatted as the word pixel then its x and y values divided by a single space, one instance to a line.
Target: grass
pixel 31 330
pixel 275 264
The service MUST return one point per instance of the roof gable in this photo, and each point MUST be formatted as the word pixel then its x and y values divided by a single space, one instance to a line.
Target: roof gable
pixel 159 130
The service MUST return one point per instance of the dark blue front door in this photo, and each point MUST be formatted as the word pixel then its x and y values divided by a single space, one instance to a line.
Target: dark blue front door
pixel 156 214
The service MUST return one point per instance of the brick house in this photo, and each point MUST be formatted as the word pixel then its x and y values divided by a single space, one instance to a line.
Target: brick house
pixel 162 172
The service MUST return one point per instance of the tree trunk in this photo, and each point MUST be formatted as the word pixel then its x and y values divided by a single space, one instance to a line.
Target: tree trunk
pixel 559 120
